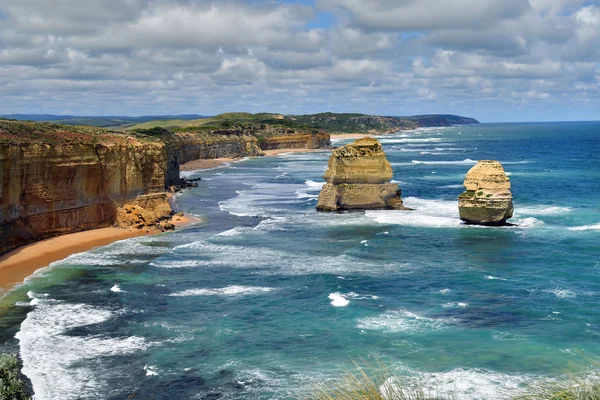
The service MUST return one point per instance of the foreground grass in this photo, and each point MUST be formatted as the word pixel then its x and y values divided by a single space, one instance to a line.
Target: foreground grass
pixel 12 387
pixel 370 382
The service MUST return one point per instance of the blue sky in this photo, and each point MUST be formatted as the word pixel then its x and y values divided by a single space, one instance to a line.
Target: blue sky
pixel 514 60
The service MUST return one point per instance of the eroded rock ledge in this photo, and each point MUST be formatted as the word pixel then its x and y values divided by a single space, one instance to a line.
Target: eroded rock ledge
pixel 487 199
pixel 359 177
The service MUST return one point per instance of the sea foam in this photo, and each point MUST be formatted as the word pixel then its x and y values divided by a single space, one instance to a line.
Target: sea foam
pixel 234 290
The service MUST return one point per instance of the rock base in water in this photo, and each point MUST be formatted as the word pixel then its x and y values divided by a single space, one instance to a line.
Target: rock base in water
pixel 358 178
pixel 360 197
pixel 487 199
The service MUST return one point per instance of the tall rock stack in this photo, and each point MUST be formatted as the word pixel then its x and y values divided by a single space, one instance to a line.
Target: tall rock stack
pixel 487 199
pixel 359 177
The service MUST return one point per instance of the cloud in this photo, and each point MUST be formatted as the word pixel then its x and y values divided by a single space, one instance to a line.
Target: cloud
pixel 388 57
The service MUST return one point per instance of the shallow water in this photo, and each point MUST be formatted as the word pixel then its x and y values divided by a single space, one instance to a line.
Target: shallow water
pixel 269 298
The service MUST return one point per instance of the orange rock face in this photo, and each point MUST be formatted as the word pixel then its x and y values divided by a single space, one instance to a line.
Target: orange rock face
pixel 48 190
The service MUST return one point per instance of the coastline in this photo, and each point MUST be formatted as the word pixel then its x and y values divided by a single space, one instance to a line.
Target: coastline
pixel 20 263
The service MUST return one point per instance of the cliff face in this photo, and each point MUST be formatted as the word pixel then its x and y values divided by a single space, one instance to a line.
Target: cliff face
pixel 52 189
pixel 234 142
pixel 487 199
pixel 56 179
pixel 359 177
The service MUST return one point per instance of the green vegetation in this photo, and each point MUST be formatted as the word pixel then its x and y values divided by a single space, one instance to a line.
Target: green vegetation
pixel 12 385
pixel 371 383
pixel 376 382
pixel 329 122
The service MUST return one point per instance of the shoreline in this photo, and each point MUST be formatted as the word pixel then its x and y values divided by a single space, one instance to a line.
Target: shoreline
pixel 204 164
pixel 20 263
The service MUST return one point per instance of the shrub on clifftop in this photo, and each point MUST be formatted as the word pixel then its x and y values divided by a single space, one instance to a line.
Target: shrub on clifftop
pixel 12 386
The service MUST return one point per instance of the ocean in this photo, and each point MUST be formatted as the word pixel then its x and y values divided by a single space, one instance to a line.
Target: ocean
pixel 268 299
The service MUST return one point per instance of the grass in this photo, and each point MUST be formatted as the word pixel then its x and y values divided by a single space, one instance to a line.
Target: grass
pixel 377 382
pixel 12 386
pixel 372 382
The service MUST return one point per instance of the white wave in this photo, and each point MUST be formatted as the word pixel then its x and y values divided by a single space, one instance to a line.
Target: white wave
pixel 313 184
pixel 451 187
pixel 233 231
pixel 426 140
pixel 595 227
pixel 455 305
pixel 338 300
pixel 529 223
pixel 467 384
pixel 445 291
pixel 561 293
pixel 426 213
pixel 401 321
pixel 116 289
pixel 176 264
pixel 356 296
pixel 543 210
pixel 53 359
pixel 234 290
pixel 151 370
pixel 466 161
pixel 495 278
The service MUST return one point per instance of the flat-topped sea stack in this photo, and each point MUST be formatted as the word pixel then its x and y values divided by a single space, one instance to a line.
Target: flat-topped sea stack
pixel 358 178
pixel 487 199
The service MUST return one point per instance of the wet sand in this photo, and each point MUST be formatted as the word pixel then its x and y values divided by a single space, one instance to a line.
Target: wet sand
pixel 18 264
pixel 196 165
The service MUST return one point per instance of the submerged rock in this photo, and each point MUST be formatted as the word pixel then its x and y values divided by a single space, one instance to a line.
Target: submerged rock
pixel 359 177
pixel 487 199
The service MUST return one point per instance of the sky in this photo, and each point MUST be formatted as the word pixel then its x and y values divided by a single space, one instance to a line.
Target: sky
pixel 494 60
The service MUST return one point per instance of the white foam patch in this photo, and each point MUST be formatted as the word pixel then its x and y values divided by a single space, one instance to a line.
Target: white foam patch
pixel 561 293
pixel 54 360
pixel 234 290
pixel 495 278
pixel 402 321
pixel 455 305
pixel 543 210
pixel 426 213
pixel 467 384
pixel 116 289
pixel 338 300
pixel 595 227
pixel 527 223
pixel 313 184
pixel 411 140
pixel 452 187
pixel 151 370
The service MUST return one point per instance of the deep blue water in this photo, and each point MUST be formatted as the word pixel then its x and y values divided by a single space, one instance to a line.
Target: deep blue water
pixel 268 298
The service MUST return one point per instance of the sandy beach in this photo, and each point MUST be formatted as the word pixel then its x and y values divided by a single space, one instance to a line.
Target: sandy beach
pixel 196 165
pixel 18 264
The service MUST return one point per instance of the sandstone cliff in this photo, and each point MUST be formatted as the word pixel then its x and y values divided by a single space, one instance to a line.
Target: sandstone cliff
pixel 358 177
pixel 55 181
pixel 487 199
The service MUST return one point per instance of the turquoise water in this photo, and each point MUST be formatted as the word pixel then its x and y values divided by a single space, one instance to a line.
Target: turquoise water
pixel 268 298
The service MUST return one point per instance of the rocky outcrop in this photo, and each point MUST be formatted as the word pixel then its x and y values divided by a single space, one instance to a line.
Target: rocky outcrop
pixel 146 212
pixel 487 199
pixel 358 177
pixel 234 142
pixel 51 186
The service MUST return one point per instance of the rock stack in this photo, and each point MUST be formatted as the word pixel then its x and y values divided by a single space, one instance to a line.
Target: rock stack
pixel 359 177
pixel 487 199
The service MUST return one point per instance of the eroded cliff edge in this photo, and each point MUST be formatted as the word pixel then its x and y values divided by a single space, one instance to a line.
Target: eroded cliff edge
pixel 57 179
